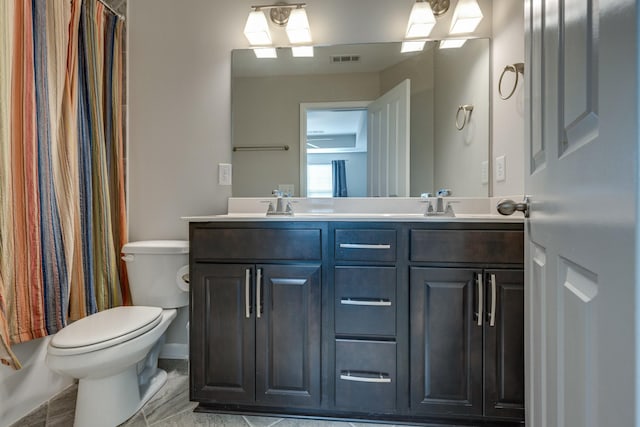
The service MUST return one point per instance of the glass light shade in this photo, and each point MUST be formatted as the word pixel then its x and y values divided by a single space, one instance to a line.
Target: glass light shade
pixel 412 46
pixel 298 29
pixel 256 30
pixel 452 43
pixel 302 51
pixel 421 20
pixel 466 17
pixel 265 52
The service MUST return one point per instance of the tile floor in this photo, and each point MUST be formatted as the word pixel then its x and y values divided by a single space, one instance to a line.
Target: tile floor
pixel 169 407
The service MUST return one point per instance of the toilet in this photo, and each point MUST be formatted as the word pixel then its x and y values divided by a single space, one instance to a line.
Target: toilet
pixel 114 353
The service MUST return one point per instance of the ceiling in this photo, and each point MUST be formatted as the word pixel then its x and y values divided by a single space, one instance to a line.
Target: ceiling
pixel 373 57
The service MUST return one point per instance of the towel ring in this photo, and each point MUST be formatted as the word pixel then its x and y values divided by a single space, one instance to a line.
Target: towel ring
pixel 517 68
pixel 466 110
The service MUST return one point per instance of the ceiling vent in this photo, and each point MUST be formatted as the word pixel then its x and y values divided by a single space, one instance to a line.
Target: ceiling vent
pixel 339 59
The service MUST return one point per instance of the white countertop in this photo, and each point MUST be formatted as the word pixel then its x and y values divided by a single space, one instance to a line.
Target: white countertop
pixel 361 217
pixel 360 209
pixel 405 209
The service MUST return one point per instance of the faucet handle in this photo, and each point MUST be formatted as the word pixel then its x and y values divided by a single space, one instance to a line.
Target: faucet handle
pixel 289 209
pixel 429 210
pixel 449 209
pixel 270 209
pixel 276 193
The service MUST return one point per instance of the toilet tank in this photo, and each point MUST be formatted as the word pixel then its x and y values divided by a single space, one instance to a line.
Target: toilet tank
pixel 156 269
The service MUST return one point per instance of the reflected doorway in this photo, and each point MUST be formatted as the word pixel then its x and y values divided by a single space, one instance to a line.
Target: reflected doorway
pixel 368 142
pixel 333 155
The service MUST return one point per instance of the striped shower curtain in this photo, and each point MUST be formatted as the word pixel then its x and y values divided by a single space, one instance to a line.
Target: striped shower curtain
pixel 62 210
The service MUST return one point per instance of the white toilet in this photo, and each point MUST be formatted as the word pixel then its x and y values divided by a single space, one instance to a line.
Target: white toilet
pixel 114 353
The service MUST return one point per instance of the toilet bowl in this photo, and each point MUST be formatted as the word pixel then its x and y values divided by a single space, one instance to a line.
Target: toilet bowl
pixel 114 353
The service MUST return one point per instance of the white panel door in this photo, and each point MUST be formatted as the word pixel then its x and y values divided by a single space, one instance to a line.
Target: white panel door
pixel 581 174
pixel 388 143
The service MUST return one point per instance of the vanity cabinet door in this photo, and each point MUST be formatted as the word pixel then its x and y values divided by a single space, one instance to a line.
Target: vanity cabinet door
pixel 446 341
pixel 504 344
pixel 288 319
pixel 222 333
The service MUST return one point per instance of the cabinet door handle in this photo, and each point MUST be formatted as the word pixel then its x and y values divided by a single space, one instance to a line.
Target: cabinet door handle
pixel 364 246
pixel 247 296
pixel 480 294
pixel 492 313
pixel 259 294
pixel 365 377
pixel 377 302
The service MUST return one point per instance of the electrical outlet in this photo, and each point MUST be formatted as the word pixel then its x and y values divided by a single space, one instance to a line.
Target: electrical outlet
pixel 224 173
pixel 484 174
pixel 501 171
pixel 287 189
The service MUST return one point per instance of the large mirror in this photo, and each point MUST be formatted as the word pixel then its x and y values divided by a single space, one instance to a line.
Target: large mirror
pixel 300 123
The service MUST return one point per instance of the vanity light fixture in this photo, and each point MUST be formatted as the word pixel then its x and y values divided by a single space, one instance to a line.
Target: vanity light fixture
pixel 412 46
pixel 265 52
pixel 466 17
pixel 292 17
pixel 256 30
pixel 422 19
pixel 298 29
pixel 302 51
pixel 452 43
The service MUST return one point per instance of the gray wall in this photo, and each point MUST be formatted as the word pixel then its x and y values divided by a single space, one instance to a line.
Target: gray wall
pixel 271 105
pixel 179 112
pixel 458 154
pixel 508 116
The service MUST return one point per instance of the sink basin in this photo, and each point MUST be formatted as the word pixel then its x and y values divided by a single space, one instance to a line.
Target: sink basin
pixel 358 215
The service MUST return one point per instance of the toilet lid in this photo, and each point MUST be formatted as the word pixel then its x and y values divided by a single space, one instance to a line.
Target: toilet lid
pixel 108 327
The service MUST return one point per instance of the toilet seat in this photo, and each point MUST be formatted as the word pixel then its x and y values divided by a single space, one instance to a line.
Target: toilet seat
pixel 105 329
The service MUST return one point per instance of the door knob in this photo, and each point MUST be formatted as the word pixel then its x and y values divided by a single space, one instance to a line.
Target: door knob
pixel 508 207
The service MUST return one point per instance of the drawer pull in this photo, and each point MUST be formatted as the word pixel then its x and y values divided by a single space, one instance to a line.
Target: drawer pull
pixel 480 302
pixel 259 294
pixel 247 296
pixel 365 377
pixel 367 302
pixel 492 313
pixel 364 246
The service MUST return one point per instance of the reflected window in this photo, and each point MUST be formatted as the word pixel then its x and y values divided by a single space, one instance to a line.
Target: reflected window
pixel 319 180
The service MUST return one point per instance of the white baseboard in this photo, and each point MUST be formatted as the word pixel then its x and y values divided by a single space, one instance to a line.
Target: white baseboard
pixel 174 351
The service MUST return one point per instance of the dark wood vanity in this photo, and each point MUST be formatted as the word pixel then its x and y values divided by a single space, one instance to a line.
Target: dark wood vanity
pixel 416 322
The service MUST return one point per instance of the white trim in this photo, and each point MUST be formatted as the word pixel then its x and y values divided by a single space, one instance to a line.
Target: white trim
pixel 174 351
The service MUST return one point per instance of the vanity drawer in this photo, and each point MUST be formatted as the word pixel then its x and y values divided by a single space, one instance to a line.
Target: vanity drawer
pixel 256 244
pixel 366 375
pixel 467 246
pixel 365 245
pixel 365 301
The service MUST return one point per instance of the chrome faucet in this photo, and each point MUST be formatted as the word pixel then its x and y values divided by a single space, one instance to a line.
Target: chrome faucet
pixel 440 210
pixel 281 208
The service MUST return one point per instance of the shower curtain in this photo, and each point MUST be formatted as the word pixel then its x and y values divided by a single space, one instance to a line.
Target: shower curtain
pixel 62 210
pixel 339 175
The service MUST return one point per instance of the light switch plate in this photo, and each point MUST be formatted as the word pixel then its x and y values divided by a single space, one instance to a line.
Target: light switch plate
pixel 224 173
pixel 501 173
pixel 484 178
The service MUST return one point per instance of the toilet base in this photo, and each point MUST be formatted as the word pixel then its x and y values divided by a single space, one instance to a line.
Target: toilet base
pixel 110 401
